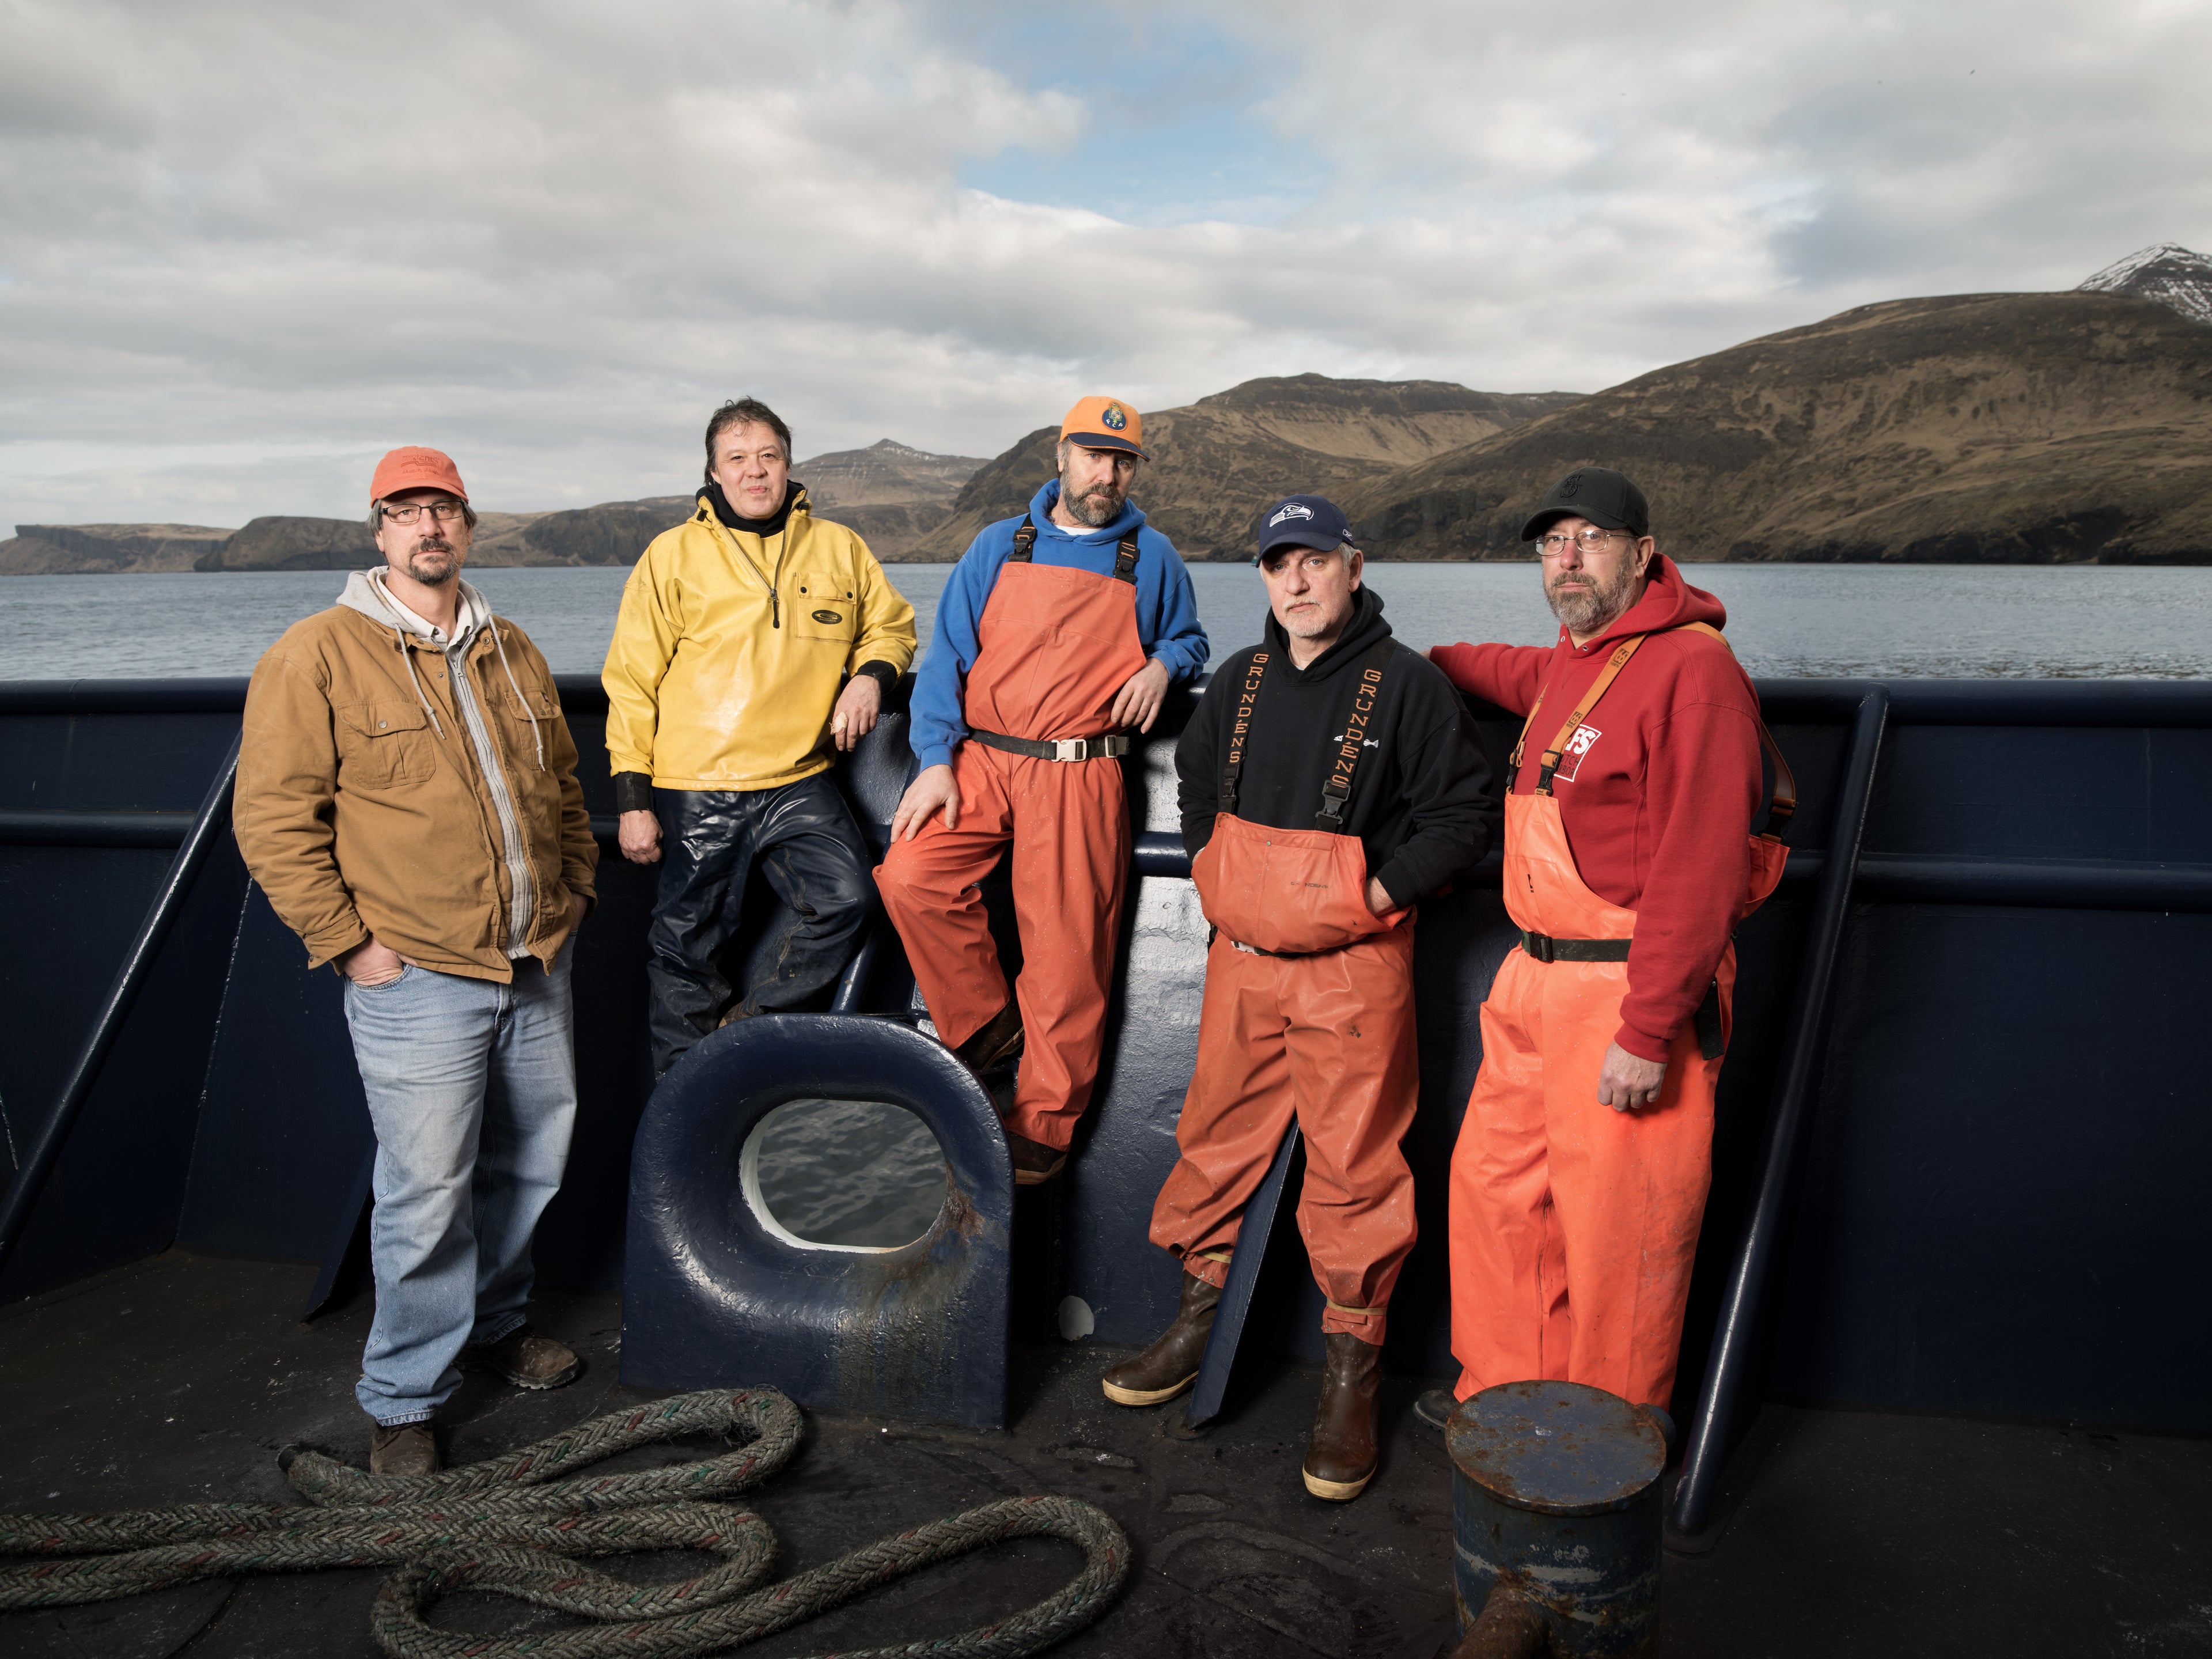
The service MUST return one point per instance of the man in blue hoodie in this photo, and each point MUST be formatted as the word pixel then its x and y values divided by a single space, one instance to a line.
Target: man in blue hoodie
pixel 1059 632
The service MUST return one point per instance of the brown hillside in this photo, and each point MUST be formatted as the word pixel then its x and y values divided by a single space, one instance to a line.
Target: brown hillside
pixel 2013 427
pixel 1217 463
pixel 50 550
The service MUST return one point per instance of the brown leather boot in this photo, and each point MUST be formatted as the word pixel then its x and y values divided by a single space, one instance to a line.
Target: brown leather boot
pixel 410 1448
pixel 526 1360
pixel 1170 1365
pixel 1341 1455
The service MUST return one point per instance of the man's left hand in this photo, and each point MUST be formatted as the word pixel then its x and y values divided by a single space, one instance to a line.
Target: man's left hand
pixel 1138 702
pixel 854 716
pixel 1628 1082
pixel 578 910
pixel 1378 897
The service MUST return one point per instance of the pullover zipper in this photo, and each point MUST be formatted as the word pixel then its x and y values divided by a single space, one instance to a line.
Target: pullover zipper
pixel 774 597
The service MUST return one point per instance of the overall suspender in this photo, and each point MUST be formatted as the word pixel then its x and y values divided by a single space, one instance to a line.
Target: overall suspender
pixel 1336 792
pixel 1125 552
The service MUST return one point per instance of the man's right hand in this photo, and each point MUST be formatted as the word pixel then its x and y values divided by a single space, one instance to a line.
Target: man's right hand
pixel 638 835
pixel 371 963
pixel 933 789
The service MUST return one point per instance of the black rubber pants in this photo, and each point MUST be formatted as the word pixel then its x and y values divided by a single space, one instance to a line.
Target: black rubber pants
pixel 812 855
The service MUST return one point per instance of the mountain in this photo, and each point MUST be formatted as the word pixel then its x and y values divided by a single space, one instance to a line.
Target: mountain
pixel 1217 463
pixel 894 495
pixel 45 550
pixel 2001 428
pixel 2169 274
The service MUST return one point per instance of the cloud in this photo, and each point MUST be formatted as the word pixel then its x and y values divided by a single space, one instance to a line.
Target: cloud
pixel 244 247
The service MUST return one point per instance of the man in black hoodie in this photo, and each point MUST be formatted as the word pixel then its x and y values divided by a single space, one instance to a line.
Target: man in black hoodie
pixel 1327 784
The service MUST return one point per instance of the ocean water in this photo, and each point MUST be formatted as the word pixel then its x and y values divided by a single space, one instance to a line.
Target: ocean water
pixel 1873 621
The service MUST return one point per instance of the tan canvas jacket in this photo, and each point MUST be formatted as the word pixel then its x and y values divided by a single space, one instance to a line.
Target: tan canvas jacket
pixel 357 815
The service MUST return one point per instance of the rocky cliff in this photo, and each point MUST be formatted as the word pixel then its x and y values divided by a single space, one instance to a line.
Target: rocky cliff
pixel 1217 463
pixel 2013 427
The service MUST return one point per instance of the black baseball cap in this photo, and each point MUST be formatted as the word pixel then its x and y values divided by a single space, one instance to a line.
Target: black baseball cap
pixel 1599 494
pixel 1303 521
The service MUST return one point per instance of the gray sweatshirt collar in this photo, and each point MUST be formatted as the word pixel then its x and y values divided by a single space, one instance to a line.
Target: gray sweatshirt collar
pixel 364 592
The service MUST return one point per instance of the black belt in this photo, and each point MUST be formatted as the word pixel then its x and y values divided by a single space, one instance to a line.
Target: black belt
pixel 1541 947
pixel 1112 746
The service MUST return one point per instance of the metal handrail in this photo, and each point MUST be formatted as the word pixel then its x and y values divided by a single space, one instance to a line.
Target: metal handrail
pixel 1727 1374
pixel 212 821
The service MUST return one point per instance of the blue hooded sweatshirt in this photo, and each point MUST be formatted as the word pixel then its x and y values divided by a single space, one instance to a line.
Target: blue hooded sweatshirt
pixel 1167 610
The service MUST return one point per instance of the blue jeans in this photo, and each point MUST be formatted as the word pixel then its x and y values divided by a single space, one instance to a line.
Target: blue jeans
pixel 472 1087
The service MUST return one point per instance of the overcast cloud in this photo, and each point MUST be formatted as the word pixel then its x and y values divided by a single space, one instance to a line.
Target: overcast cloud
pixel 245 248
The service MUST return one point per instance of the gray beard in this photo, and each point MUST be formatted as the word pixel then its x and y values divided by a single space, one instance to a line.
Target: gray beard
pixel 1097 517
pixel 1593 611
pixel 452 566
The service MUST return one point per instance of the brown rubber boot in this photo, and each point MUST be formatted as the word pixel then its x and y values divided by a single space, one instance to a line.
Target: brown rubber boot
pixel 526 1360
pixel 1341 1455
pixel 1034 1161
pixel 998 1042
pixel 1170 1365
pixel 410 1448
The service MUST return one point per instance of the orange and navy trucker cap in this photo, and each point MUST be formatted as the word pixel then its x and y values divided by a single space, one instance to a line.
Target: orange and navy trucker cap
pixel 414 468
pixel 1104 424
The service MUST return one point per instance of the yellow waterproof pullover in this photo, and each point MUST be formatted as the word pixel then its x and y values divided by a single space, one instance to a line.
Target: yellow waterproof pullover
pixel 731 650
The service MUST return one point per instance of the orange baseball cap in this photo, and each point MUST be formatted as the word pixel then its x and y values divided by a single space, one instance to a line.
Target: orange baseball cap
pixel 414 468
pixel 1104 424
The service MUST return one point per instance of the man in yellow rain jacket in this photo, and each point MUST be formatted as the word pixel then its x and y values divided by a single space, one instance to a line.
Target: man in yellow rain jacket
pixel 755 640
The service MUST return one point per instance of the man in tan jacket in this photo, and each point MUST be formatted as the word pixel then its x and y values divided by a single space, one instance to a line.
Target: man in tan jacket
pixel 407 798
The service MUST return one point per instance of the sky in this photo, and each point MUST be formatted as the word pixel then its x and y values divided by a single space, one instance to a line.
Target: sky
pixel 247 247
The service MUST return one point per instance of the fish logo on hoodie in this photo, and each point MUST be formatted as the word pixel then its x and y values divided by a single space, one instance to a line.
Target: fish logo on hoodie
pixel 1570 757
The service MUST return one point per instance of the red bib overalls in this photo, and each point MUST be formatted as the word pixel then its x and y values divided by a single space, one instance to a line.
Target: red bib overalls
pixel 1314 1016
pixel 1573 1225
pixel 1054 648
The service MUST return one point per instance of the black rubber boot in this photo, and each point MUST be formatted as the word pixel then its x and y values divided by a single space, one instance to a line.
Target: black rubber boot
pixel 1170 1365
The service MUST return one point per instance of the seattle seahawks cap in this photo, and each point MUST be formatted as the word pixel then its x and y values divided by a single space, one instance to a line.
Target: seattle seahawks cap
pixel 1599 494
pixel 1303 521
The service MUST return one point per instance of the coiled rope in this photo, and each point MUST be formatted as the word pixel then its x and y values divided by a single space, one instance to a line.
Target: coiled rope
pixel 513 1525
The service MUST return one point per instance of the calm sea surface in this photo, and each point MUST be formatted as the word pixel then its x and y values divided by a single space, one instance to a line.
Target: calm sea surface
pixel 1945 621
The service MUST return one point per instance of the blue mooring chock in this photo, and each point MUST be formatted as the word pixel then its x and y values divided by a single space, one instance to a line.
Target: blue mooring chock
pixel 714 1296
pixel 1556 1521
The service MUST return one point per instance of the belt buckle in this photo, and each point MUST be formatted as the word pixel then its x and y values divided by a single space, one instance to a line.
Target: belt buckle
pixel 1071 748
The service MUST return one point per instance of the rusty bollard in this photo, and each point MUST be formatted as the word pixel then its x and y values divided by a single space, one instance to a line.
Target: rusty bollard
pixel 1556 1517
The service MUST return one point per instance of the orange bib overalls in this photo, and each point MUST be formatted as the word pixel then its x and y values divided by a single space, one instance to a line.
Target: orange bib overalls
pixel 1052 648
pixel 1308 1011
pixel 1574 1226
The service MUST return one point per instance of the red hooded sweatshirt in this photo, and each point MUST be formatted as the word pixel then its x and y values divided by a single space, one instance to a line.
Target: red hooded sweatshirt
pixel 1658 811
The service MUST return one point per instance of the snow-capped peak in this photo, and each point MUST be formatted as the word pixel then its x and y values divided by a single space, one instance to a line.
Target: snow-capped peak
pixel 2169 273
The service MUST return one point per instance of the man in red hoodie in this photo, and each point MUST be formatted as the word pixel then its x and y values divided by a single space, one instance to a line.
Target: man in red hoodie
pixel 1579 1180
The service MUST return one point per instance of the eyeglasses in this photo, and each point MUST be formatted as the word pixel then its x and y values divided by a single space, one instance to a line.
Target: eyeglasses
pixel 443 512
pixel 1554 546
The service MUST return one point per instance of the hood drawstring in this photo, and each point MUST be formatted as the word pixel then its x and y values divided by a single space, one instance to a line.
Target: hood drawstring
pixel 415 680
pixel 492 622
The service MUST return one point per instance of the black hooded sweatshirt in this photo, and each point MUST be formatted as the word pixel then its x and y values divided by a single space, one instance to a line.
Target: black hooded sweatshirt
pixel 1420 793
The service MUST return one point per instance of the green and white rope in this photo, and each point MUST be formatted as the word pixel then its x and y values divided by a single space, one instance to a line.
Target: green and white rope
pixel 515 1526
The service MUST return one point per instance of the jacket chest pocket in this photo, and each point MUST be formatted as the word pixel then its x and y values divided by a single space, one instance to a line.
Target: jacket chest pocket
pixel 530 714
pixel 824 607
pixel 384 743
